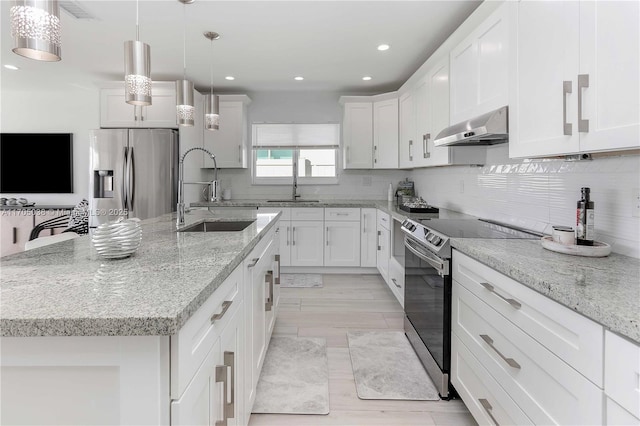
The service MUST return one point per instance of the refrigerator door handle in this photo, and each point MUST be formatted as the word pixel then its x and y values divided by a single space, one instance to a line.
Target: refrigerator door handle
pixel 132 179
pixel 125 179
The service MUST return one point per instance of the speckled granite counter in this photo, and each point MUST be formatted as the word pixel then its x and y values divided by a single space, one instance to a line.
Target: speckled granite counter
pixel 67 290
pixel 607 289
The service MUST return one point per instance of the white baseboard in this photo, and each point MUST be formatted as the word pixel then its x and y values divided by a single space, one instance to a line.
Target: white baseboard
pixel 327 270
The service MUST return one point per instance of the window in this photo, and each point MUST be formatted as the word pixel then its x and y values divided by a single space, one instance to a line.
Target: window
pixel 312 149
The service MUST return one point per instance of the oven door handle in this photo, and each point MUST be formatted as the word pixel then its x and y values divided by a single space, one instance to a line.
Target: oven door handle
pixel 442 266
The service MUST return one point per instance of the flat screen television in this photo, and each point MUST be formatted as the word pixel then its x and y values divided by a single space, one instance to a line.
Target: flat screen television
pixel 36 163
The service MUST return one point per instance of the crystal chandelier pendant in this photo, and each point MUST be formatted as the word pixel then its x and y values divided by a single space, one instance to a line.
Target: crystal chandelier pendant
pixel 35 28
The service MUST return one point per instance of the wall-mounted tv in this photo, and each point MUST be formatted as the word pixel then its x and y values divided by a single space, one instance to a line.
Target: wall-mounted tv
pixel 36 163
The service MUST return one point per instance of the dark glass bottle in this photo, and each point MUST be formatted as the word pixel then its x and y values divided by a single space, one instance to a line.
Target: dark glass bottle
pixel 585 220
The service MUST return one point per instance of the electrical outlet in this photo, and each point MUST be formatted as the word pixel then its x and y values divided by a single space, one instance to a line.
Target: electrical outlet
pixel 635 209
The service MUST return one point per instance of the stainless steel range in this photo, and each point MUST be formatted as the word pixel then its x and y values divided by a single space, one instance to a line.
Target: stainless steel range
pixel 427 294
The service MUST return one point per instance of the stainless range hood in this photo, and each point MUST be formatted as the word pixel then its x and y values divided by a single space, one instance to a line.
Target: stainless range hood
pixel 488 129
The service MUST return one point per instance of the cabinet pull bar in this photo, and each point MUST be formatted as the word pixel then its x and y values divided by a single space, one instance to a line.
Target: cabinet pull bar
pixel 277 280
pixel 268 278
pixel 566 89
pixel 364 223
pixel 514 303
pixel 288 235
pixel 230 361
pixel 488 408
pixel 221 376
pixel 240 154
pixel 293 236
pixel 395 282
pixel 225 307
pixel 425 145
pixel 254 261
pixel 410 154
pixel 15 235
pixel 348 155
pixel 512 362
pixel 378 240
pixel 327 238
pixel 583 83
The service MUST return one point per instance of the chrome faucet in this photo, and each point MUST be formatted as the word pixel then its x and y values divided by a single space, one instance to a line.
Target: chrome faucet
pixel 294 193
pixel 180 217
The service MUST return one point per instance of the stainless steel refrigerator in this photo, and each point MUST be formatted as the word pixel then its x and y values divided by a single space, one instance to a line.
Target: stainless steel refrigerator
pixel 134 173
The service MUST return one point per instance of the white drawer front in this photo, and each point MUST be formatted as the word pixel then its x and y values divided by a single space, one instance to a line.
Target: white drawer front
pixel 307 213
pixel 616 415
pixel 349 214
pixel 194 340
pixel 286 211
pixel 546 389
pixel 488 402
pixel 384 220
pixel 622 372
pixel 396 278
pixel 574 338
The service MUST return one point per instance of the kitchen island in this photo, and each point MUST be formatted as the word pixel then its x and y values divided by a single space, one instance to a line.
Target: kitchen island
pixel 87 340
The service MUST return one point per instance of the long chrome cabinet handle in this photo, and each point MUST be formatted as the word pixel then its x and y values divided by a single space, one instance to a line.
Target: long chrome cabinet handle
pixel 583 83
pixel 375 154
pixel 239 154
pixel 378 240
pixel 230 361
pixel 410 148
pixel 488 408
pixel 125 180
pixel 277 258
pixel 288 229
pixel 364 223
pixel 221 376
pixel 425 145
pixel 254 262
pixel 395 282
pixel 348 155
pixel 327 238
pixel 225 307
pixel 512 362
pixel 268 278
pixel 132 180
pixel 293 236
pixel 512 302
pixel 566 89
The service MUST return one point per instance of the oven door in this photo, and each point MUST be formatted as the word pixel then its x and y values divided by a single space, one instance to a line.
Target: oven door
pixel 427 306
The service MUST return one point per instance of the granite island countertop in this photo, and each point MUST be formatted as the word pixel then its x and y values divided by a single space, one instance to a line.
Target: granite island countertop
pixel 604 289
pixel 66 289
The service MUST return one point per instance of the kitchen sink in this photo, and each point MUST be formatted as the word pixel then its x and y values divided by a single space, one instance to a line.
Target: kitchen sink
pixel 293 201
pixel 218 226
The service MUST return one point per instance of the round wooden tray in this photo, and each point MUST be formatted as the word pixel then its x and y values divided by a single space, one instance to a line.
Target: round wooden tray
pixel 598 249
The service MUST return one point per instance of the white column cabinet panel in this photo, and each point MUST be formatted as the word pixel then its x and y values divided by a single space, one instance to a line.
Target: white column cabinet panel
pixel 368 238
pixel 229 142
pixel 385 134
pixel 307 242
pixel 357 135
pixel 342 243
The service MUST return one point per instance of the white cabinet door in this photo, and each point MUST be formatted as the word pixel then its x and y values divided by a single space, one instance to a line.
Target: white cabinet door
pixel 116 113
pixel 232 356
pixel 357 135
pixel 479 67
pixel 385 134
pixel 228 142
pixel 201 403
pixel 15 228
pixel 368 238
pixel 423 112
pixel 162 112
pixel 342 243
pixel 383 251
pixel 272 295
pixel 407 144
pixel 307 242
pixel 610 57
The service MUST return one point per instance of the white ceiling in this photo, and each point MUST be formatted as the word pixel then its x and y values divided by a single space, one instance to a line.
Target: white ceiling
pixel 263 44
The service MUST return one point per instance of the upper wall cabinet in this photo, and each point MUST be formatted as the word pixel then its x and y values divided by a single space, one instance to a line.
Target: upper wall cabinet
pixel 116 113
pixel 408 133
pixel 385 134
pixel 229 143
pixel 357 135
pixel 479 68
pixel 573 75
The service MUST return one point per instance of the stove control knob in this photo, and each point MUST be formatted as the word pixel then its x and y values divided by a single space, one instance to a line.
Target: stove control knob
pixel 436 240
pixel 413 227
pixel 430 237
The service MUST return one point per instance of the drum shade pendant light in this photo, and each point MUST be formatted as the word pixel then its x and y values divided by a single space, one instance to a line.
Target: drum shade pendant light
pixel 137 69
pixel 211 101
pixel 35 28
pixel 184 87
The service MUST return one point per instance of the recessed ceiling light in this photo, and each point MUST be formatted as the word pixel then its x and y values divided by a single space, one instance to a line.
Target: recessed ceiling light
pixel 366 78
pixel 230 77
pixel 383 47
pixel 11 67
pixel 299 78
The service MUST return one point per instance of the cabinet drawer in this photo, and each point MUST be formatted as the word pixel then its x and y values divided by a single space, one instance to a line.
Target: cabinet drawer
pixel 307 213
pixel 396 278
pixel 286 211
pixel 546 389
pixel 384 220
pixel 194 340
pixel 574 338
pixel 622 372
pixel 616 415
pixel 482 395
pixel 349 214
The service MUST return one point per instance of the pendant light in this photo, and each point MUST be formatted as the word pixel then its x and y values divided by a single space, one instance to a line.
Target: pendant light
pixel 35 28
pixel 184 88
pixel 137 69
pixel 211 101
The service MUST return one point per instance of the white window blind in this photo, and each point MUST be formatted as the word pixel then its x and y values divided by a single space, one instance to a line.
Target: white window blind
pixel 296 135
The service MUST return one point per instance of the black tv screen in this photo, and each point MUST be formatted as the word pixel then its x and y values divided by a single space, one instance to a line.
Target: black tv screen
pixel 36 163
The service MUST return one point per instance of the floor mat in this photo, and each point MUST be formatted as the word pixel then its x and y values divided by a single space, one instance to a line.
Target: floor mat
pixel 386 367
pixel 301 280
pixel 295 377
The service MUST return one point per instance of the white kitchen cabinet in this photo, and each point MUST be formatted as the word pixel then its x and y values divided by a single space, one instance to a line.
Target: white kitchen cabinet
pixel 357 135
pixel 407 145
pixel 383 244
pixel 574 83
pixel 307 242
pixel 342 243
pixel 116 113
pixel 396 278
pixel 368 238
pixel 479 68
pixel 272 293
pixel 385 134
pixel 621 376
pixel 15 228
pixel 229 142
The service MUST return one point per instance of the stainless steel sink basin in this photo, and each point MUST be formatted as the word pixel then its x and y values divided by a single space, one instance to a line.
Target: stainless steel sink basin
pixel 293 201
pixel 217 226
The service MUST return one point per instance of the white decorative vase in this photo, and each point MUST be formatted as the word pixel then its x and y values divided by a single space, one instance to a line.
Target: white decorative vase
pixel 117 239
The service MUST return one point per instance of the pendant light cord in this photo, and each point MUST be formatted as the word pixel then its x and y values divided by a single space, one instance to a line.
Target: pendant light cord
pixel 212 67
pixel 184 41
pixel 137 24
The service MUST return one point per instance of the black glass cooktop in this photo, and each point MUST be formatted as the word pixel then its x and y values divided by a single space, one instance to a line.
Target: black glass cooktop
pixel 475 228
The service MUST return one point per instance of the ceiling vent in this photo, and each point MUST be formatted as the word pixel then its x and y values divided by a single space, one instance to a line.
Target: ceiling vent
pixel 74 9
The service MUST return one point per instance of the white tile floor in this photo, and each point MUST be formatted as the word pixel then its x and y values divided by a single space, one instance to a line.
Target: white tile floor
pixel 349 303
